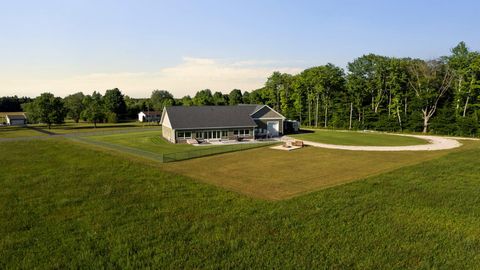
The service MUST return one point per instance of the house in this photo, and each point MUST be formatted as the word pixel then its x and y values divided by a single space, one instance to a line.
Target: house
pixel 182 123
pixel 16 119
pixel 153 116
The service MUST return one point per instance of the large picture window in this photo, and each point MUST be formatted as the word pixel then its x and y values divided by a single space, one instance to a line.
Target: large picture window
pixel 241 132
pixel 184 135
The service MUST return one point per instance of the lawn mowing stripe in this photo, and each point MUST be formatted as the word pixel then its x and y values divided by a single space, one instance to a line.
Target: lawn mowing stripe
pixel 171 157
pixel 121 148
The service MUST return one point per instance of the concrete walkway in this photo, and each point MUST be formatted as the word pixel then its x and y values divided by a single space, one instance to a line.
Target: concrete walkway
pixel 434 143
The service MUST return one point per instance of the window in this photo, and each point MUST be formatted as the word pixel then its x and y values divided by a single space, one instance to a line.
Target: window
pixel 184 135
pixel 224 133
pixel 241 132
pixel 199 135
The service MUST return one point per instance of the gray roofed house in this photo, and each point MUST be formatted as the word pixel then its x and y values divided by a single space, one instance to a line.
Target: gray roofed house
pixel 205 123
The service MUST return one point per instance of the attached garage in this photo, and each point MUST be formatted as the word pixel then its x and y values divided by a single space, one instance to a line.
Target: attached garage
pixel 273 128
pixel 269 122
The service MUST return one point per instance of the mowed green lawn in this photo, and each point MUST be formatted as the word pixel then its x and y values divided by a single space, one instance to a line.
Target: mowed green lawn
pixel 153 142
pixel 82 127
pixel 275 175
pixel 146 140
pixel 18 131
pixel 70 127
pixel 67 206
pixel 357 138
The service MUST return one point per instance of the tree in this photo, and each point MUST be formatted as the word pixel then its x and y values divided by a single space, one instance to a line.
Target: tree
pixel 161 99
pixel 74 105
pixel 276 91
pixel 187 101
pixel 298 97
pixel 397 88
pixel 13 104
pixel 219 99
pixel 31 109
pixel 134 106
pixel 331 81
pixel 462 62
pixel 94 108
pixel 47 109
pixel 256 97
pixel 246 98
pixel 114 102
pixel 430 80
pixel 235 97
pixel 203 97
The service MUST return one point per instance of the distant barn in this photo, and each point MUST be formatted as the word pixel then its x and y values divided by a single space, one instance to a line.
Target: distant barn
pixel 153 116
pixel 14 119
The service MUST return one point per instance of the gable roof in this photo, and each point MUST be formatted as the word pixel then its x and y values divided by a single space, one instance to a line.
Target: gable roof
pixel 266 112
pixel 16 116
pixel 192 117
pixel 151 113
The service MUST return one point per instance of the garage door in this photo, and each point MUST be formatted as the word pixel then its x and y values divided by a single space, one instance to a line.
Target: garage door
pixel 17 122
pixel 273 128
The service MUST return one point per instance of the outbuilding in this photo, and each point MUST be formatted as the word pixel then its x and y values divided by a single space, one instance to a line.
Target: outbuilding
pixel 149 116
pixel 16 119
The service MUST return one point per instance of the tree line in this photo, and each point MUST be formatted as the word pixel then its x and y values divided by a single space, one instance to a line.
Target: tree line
pixel 376 92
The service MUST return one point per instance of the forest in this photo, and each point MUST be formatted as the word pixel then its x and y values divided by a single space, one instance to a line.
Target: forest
pixel 438 96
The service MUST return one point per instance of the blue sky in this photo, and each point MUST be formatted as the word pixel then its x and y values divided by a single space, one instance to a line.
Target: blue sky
pixel 184 46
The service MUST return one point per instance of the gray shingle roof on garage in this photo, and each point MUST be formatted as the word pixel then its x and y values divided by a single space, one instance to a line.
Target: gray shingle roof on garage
pixel 197 117
pixel 16 116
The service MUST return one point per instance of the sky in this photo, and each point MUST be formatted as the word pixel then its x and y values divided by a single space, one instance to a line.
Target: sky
pixel 69 46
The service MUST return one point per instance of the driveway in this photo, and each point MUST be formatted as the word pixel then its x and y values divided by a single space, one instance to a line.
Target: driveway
pixel 434 143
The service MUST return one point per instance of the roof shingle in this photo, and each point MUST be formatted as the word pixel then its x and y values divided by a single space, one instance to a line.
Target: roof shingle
pixel 193 117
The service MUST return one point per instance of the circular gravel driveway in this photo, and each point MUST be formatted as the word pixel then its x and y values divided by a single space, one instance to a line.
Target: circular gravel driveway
pixel 433 143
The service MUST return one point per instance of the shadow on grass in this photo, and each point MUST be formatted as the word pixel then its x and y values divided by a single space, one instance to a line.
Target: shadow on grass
pixel 10 128
pixel 93 127
pixel 305 131
pixel 40 130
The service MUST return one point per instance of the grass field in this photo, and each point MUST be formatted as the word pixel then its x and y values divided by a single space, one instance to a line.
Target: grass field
pixel 72 127
pixel 146 140
pixel 153 142
pixel 67 206
pixel 357 138
pixel 68 128
pixel 17 131
pixel 272 174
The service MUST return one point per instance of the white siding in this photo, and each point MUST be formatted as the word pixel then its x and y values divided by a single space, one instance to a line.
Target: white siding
pixel 165 120
pixel 140 116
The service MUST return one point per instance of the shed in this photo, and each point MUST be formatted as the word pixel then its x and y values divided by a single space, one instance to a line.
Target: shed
pixel 16 119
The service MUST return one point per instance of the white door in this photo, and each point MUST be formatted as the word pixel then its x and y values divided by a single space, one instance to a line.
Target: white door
pixel 273 128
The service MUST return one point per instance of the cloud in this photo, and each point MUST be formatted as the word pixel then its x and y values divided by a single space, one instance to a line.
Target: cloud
pixel 191 75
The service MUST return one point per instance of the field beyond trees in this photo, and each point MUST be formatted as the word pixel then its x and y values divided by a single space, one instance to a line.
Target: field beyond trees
pixel 67 206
